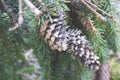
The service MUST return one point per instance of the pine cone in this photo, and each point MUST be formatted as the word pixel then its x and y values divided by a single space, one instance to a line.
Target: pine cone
pixel 80 47
pixel 54 32
pixel 71 41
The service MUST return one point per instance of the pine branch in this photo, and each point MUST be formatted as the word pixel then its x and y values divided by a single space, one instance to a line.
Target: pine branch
pixel 99 16
pixel 43 53
pixel 20 19
pixel 87 23
pixel 91 7
pixel 35 10
pixel 91 24
pixel 96 7
pixel 9 11
pixel 5 40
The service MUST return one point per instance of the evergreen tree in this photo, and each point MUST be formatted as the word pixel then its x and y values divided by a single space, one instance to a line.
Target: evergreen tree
pixel 54 29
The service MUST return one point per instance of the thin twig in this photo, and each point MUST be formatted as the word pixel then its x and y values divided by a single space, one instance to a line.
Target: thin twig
pixel 93 5
pixel 110 16
pixel 91 24
pixel 9 11
pixel 87 22
pixel 35 10
pixel 20 19
pixel 99 16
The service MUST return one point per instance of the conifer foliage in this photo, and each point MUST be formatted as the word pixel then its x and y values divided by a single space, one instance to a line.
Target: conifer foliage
pixel 62 33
